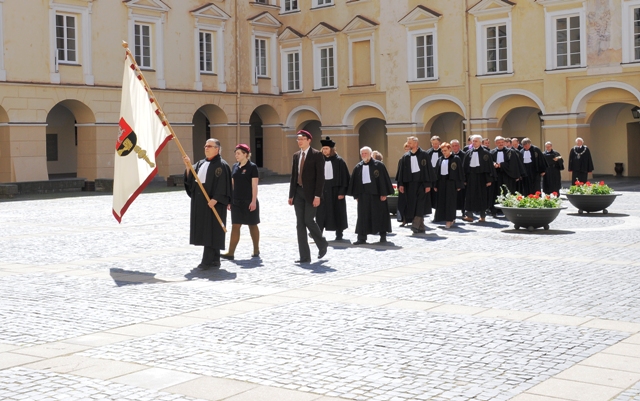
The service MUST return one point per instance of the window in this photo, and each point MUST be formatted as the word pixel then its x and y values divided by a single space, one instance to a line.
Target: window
pixel 320 3
pixel 636 34
pixel 142 48
pixel 292 66
pixel 327 68
pixel 262 1
pixel 261 57
pixel 497 60
pixel 568 39
pixel 424 57
pixel 289 5
pixel 206 51
pixel 66 38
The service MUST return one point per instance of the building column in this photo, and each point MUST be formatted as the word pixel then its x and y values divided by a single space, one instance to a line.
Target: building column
pixel 28 148
pixel 397 135
pixel 562 131
pixel 5 153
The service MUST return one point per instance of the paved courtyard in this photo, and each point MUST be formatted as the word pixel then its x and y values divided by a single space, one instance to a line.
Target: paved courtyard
pixel 90 309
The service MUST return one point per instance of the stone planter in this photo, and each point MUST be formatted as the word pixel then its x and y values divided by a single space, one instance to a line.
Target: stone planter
pixel 392 201
pixel 592 203
pixel 530 218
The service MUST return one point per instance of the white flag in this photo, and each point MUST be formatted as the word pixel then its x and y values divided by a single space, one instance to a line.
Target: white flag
pixel 142 137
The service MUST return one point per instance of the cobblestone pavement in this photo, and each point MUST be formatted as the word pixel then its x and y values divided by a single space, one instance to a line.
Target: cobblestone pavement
pixel 90 309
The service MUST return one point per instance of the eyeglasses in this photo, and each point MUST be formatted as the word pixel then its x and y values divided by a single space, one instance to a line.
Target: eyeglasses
pixel 209 146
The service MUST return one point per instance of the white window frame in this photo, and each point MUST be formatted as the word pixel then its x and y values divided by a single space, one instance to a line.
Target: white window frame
pixel 285 68
pixel 157 43
pixel 83 40
pixel 412 54
pixel 290 3
pixel 550 34
pixel 140 58
pixel 202 34
pixel 218 54
pixel 317 78
pixel 322 3
pixel 628 48
pixel 482 48
pixel 369 39
pixel 66 49
pixel 272 60
pixel 3 72
pixel 258 65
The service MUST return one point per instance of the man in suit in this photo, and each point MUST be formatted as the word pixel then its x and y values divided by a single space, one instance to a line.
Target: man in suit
pixel 305 194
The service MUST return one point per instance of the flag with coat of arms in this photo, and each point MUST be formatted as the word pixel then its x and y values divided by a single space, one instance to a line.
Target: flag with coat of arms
pixel 143 134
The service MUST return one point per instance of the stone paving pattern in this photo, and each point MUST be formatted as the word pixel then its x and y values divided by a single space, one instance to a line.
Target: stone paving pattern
pixel 90 309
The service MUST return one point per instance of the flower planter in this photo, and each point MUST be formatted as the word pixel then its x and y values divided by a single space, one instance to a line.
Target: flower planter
pixel 530 218
pixel 592 203
pixel 392 202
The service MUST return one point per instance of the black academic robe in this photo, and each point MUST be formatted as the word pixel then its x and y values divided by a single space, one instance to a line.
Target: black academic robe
pixel 531 183
pixel 476 179
pixel 507 173
pixel 331 215
pixel 580 163
pixel 448 186
pixel 205 229
pixel 402 197
pixel 418 202
pixel 373 214
pixel 463 191
pixel 438 154
pixel 552 180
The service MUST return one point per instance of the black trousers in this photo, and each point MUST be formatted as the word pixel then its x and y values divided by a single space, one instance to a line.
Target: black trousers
pixel 210 255
pixel 306 220
pixel 581 176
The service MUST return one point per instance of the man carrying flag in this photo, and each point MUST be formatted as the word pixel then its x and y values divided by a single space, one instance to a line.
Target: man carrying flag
pixel 143 135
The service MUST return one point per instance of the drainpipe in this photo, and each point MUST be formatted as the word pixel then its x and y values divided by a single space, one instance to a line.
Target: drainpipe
pixel 236 22
pixel 467 72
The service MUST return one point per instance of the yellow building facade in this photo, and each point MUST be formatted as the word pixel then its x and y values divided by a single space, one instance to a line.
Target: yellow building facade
pixel 364 72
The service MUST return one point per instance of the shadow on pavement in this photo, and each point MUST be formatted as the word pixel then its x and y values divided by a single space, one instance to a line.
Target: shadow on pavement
pixel 123 277
pixel 538 231
pixel 318 267
pixel 598 214
pixel 212 275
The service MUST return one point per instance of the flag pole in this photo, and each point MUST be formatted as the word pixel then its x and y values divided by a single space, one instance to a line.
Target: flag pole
pixel 166 123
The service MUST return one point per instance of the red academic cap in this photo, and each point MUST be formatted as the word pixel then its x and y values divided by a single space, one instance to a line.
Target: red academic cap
pixel 243 146
pixel 305 133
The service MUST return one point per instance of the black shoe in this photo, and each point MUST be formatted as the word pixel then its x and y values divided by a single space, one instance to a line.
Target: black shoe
pixel 256 255
pixel 215 265
pixel 300 261
pixel 383 240
pixel 322 252
pixel 226 256
pixel 338 237
pixel 417 230
pixel 202 266
pixel 358 242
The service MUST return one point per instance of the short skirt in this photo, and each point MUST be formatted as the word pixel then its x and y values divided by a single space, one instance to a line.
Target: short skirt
pixel 240 213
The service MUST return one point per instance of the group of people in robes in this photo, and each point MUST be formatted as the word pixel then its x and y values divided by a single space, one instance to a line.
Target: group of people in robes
pixel 444 177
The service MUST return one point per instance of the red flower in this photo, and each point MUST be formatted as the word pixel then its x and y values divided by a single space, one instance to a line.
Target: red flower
pixel 519 197
pixel 537 192
pixel 395 186
pixel 578 182
pixel 601 182
pixel 588 184
pixel 554 194
pixel 548 197
pixel 531 196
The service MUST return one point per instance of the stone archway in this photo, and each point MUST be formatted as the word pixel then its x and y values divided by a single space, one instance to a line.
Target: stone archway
pixel 265 138
pixel 447 126
pixel 372 132
pixel 209 121
pixel 522 122
pixel 614 138
pixel 71 143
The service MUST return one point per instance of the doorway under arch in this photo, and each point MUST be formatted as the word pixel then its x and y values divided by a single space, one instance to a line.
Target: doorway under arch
pixel 614 138
pixel 372 132
pixel 70 140
pixel 522 122
pixel 447 126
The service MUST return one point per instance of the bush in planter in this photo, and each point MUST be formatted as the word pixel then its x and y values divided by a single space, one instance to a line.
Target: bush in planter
pixel 587 188
pixel 538 200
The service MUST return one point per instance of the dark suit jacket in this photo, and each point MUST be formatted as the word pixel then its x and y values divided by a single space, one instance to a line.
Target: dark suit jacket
pixel 312 175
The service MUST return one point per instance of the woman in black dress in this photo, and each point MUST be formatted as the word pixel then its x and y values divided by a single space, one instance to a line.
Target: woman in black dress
pixel 244 206
pixel 450 181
